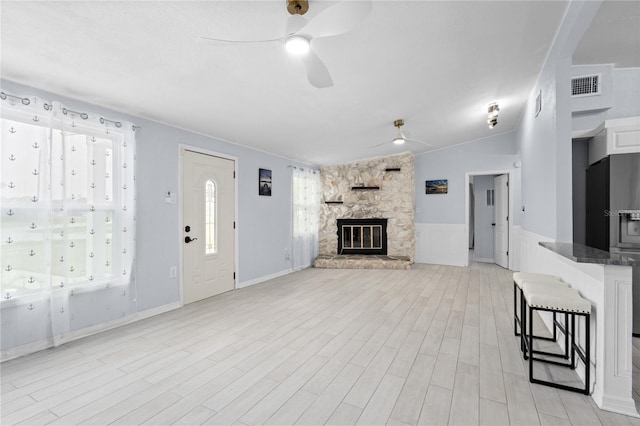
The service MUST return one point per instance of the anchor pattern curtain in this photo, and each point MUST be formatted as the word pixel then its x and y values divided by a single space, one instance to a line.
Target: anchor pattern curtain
pixel 306 211
pixel 68 219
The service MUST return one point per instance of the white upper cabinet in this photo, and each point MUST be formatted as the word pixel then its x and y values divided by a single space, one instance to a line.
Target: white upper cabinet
pixel 619 136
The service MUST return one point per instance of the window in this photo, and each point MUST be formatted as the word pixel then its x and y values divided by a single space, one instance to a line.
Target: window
pixel 210 217
pixel 305 211
pixel 67 201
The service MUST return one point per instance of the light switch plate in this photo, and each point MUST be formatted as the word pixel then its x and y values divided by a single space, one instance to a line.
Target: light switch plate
pixel 170 197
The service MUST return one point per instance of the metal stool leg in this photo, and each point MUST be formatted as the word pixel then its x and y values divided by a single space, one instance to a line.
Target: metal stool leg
pixel 574 349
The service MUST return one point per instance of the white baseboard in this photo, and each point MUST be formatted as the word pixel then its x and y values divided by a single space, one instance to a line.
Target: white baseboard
pixel 442 243
pixel 625 406
pixel 156 311
pixel 26 349
pixel 264 278
pixel 484 260
pixel 50 342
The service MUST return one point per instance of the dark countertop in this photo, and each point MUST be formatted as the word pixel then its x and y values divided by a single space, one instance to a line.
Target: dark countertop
pixel 584 254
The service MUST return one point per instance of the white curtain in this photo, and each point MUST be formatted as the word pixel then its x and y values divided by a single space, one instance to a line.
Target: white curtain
pixel 68 220
pixel 306 209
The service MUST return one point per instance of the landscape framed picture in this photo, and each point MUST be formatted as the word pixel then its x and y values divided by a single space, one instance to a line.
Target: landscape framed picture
pixel 439 186
pixel 264 182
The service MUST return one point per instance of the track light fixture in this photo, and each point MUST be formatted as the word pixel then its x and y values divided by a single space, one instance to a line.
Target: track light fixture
pixel 492 118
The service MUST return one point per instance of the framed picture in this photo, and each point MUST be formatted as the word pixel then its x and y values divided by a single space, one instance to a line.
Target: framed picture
pixel 264 182
pixel 440 186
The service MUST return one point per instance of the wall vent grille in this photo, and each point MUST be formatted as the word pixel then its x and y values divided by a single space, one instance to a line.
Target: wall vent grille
pixel 588 85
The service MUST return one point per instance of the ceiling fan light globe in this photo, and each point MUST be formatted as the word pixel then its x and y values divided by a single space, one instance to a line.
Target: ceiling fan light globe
pixel 398 140
pixel 297 45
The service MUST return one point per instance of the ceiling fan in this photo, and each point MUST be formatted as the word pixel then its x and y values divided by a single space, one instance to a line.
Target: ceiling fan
pixel 300 33
pixel 400 138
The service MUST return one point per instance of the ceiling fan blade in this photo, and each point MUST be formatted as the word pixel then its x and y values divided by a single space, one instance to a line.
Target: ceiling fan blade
pixel 337 19
pixel 423 143
pixel 294 24
pixel 380 144
pixel 221 40
pixel 317 72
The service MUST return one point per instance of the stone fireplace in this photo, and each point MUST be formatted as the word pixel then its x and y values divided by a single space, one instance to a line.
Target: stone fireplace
pixel 362 192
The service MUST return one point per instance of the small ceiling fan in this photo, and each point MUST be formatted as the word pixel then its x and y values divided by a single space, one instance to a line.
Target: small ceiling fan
pixel 400 137
pixel 300 33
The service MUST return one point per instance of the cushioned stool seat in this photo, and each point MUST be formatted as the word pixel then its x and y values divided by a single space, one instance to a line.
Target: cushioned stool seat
pixel 519 278
pixel 557 299
pixel 564 299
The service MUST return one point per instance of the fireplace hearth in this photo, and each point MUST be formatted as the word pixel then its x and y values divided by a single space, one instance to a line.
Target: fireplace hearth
pixel 362 236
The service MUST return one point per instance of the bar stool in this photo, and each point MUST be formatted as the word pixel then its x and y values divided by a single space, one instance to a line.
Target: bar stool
pixel 519 278
pixel 558 300
pixel 545 287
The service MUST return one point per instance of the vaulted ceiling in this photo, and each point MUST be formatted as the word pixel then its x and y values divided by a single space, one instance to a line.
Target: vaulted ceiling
pixel 436 64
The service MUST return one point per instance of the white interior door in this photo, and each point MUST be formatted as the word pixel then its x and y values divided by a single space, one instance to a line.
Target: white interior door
pixel 501 231
pixel 208 226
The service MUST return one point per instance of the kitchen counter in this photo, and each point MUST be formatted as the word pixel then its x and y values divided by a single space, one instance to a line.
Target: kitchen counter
pixel 583 254
pixel 605 279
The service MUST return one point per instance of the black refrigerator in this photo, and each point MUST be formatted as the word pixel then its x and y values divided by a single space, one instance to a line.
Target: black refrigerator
pixel 613 190
pixel 597 214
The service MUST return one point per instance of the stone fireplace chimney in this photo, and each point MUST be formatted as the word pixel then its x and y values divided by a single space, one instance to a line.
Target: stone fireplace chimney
pixel 381 188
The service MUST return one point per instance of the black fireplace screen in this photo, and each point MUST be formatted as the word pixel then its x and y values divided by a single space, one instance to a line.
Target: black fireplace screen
pixel 362 236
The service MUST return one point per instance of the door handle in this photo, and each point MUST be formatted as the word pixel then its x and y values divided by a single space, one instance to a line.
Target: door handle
pixel 188 239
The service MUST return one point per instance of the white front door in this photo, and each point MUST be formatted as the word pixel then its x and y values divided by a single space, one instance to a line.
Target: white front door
pixel 501 231
pixel 208 226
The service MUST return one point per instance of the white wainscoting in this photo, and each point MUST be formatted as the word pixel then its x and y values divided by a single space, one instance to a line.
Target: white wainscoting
pixel 442 244
pixel 514 247
pixel 448 244
pixel 609 289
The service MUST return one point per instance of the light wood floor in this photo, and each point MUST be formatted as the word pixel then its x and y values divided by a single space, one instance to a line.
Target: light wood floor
pixel 433 345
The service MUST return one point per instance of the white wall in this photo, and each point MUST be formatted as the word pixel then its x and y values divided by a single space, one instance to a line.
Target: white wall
pixel 590 104
pixel 545 140
pixel 264 223
pixel 625 92
pixel 498 152
pixel 440 218
pixel 543 143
